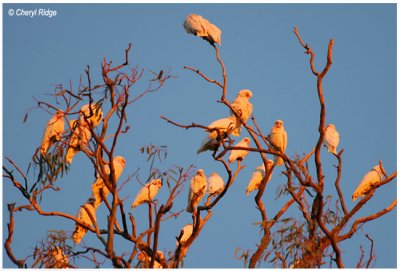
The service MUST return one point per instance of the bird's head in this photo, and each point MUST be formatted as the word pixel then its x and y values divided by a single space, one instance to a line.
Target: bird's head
pixel 200 172
pixel 141 256
pixel 331 126
pixel 160 254
pixel 278 124
pixel 59 114
pixel 214 174
pixel 245 93
pixel 121 160
pixel 246 140
pixel 270 163
pixel 378 169
pixel 157 182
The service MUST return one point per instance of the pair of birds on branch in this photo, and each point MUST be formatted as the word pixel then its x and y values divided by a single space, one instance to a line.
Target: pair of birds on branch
pixel 232 125
pixel 200 185
pixel 100 192
pixel 90 115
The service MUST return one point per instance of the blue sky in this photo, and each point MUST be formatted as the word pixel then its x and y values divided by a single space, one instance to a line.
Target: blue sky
pixel 261 53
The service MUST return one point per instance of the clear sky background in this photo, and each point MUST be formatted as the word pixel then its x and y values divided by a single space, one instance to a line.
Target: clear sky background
pixel 261 53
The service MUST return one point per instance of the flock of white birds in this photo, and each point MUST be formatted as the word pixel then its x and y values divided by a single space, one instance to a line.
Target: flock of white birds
pixel 79 135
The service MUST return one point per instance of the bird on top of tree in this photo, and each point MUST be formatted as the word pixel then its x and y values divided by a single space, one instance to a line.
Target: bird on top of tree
pixel 331 138
pixel 201 27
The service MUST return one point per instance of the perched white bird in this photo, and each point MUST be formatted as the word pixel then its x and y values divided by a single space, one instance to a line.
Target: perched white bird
pixel 257 177
pixel 83 215
pixel 144 259
pixel 243 108
pixel 147 193
pixel 212 141
pixel 198 187
pixel 99 189
pixel 199 26
pixel 239 154
pixel 79 138
pixel 224 125
pixel 187 232
pixel 57 259
pixel 208 144
pixel 215 184
pixel 278 137
pixel 372 178
pixel 53 131
pixel 94 117
pixel 331 139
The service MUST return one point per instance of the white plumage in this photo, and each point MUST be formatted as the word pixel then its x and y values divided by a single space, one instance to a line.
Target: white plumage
pixel 144 259
pixel 278 137
pixel 79 138
pixel 197 189
pixel 208 144
pixel 372 178
pixel 94 117
pixel 224 125
pixel 187 232
pixel 83 215
pixel 239 154
pixel 331 139
pixel 199 26
pixel 53 131
pixel 211 142
pixel 243 108
pixel 257 177
pixel 99 189
pixel 215 184
pixel 147 193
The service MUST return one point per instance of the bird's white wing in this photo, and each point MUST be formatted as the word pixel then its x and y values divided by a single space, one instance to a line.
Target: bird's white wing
pixel 331 139
pixel 214 33
pixel 187 232
pixel 208 144
pixel 93 116
pixel 239 154
pixel 142 196
pixel 284 141
pixel 82 215
pixel 368 181
pixel 198 187
pixel 53 132
pixel 225 125
pixel 215 184
pixel 279 138
pixel 79 139
pixel 256 178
